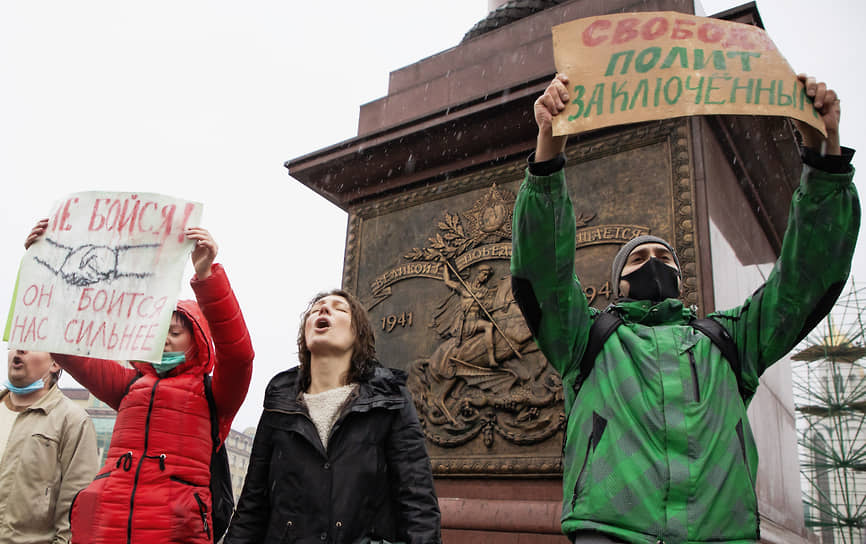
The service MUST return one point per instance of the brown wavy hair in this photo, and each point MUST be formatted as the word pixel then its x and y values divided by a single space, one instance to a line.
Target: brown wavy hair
pixel 363 350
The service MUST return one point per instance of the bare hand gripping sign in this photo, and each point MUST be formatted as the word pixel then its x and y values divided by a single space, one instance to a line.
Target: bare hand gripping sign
pixel 633 67
pixel 104 279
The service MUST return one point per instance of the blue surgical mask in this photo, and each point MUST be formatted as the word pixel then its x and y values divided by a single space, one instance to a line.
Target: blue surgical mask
pixel 27 389
pixel 170 359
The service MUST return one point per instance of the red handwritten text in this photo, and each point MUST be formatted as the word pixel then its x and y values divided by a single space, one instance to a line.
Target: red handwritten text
pixel 38 295
pixel 110 336
pixel 132 215
pixel 626 30
pixel 121 303
pixel 28 329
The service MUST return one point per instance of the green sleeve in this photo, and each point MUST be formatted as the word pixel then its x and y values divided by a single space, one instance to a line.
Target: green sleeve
pixel 808 276
pixel 542 270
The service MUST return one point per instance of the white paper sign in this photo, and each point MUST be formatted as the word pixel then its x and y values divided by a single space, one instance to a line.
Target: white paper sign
pixel 104 279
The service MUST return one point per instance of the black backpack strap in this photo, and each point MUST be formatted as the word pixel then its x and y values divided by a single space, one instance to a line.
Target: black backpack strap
pixel 132 381
pixel 606 323
pixel 222 498
pixel 602 327
pixel 719 336
pixel 211 404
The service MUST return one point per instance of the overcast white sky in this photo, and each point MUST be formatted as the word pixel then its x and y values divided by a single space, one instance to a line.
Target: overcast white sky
pixel 205 100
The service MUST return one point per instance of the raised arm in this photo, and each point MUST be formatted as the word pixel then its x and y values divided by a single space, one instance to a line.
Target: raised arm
pixel 547 106
pixel 828 106
pixel 446 277
pixel 816 251
pixel 543 245
pixel 234 350
pixel 107 380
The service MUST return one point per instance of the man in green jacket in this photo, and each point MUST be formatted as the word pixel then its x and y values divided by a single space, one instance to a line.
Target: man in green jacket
pixel 658 445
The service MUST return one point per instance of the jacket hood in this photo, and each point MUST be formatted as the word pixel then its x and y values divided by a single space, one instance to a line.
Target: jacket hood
pixel 666 312
pixel 383 385
pixel 200 356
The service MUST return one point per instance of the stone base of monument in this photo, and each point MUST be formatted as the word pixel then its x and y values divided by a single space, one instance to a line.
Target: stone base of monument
pixel 500 511
pixel 485 511
pixel 429 185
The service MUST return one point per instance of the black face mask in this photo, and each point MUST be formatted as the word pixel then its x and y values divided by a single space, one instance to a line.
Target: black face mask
pixel 654 281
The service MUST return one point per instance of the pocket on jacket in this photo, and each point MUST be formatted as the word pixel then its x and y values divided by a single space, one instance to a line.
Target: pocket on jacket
pixel 190 505
pixel 83 514
pixel 696 383
pixel 33 507
pixel 41 453
pixel 35 483
pixel 741 439
pixel 599 424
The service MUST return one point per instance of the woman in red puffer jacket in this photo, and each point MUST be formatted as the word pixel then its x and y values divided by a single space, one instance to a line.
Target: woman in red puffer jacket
pixel 154 486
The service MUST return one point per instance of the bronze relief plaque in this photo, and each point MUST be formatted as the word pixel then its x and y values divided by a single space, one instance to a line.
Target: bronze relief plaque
pixel 432 267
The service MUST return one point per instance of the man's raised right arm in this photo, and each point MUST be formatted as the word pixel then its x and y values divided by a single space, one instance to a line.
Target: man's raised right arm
pixel 543 239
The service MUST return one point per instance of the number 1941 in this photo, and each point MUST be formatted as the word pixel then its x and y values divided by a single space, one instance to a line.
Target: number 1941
pixel 389 322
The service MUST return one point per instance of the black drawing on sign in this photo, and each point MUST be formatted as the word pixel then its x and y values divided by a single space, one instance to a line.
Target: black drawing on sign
pixel 89 264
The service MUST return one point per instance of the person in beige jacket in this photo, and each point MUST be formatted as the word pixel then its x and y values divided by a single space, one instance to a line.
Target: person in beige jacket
pixel 49 452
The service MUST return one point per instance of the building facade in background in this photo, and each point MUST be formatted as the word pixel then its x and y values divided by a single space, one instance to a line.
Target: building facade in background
pixel 238 446
pixel 100 413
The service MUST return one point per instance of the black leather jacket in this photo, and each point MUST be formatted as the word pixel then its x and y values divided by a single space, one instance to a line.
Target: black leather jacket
pixel 374 480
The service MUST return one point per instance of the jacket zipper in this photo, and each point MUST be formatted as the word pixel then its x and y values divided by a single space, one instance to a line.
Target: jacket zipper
pixel 580 474
pixel 345 410
pixel 202 510
pixel 140 461
pixel 695 376
pixel 184 482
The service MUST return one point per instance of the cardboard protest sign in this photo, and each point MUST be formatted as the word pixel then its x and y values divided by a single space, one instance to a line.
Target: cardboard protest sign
pixel 633 67
pixel 104 279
